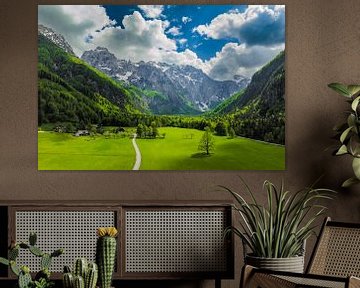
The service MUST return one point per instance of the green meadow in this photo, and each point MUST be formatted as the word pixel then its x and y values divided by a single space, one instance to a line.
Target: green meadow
pixel 177 151
pixel 63 151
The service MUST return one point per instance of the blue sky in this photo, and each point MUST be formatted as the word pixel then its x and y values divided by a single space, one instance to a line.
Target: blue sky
pixel 222 40
pixel 195 16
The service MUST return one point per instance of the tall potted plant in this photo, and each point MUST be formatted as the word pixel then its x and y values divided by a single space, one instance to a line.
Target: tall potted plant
pixel 276 233
pixel 349 131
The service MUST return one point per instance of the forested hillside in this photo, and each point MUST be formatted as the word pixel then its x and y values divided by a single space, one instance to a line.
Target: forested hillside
pixel 259 110
pixel 70 90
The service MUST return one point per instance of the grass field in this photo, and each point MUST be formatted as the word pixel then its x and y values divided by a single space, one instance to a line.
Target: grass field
pixel 178 151
pixel 60 151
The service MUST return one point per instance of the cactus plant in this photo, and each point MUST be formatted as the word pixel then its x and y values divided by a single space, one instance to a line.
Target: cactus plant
pixel 42 278
pixel 79 282
pixel 105 254
pixel 84 274
pixel 80 267
pixel 24 277
pixel 91 276
pixel 68 280
pixel 45 261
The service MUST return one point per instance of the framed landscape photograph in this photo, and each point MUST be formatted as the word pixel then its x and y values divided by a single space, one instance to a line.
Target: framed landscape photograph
pixel 161 87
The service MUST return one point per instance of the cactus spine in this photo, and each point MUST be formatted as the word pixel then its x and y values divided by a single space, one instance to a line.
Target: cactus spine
pixel 105 255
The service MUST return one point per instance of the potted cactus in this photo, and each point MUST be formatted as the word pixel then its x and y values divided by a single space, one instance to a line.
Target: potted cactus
pixel 84 275
pixel 106 254
pixel 42 278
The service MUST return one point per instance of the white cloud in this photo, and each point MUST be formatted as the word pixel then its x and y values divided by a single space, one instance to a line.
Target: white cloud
pixel 257 25
pixel 175 31
pixel 152 11
pixel 140 39
pixel 75 22
pixel 186 19
pixel 182 41
pixel 239 59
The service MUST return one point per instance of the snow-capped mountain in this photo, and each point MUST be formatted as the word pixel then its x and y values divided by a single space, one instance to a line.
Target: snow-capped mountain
pixel 174 81
pixel 56 38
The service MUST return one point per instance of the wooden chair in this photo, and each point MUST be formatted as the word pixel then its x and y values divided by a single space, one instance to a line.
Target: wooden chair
pixel 335 262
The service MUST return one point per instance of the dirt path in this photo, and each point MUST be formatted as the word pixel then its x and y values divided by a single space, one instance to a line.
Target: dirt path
pixel 138 154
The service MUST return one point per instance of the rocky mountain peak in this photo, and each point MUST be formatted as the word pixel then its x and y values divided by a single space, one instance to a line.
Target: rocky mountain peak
pixel 173 81
pixel 56 38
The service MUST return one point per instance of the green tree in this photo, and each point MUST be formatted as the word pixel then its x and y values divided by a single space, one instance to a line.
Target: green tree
pixel 221 128
pixel 231 133
pixel 69 127
pixel 155 131
pixel 206 143
pixel 140 130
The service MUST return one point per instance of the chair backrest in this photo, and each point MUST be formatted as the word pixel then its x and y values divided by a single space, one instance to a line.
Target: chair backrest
pixel 337 251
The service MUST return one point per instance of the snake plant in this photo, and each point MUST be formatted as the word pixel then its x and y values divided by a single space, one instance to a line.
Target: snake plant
pixel 279 228
pixel 349 131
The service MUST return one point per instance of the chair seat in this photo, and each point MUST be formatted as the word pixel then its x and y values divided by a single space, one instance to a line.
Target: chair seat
pixel 314 282
pixel 268 279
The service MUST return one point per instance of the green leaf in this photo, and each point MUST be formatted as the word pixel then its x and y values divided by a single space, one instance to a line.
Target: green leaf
pixel 353 89
pixel 355 103
pixel 349 182
pixel 354 143
pixel 4 261
pixel 342 150
pixel 14 268
pixel 351 120
pixel 340 88
pixel 356 167
pixel 345 134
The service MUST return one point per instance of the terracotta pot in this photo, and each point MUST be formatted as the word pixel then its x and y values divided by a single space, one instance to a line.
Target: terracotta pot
pixel 291 264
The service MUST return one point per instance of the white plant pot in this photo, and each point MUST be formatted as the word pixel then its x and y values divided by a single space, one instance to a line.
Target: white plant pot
pixel 291 264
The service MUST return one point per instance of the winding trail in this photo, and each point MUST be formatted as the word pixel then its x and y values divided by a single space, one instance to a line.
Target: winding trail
pixel 138 154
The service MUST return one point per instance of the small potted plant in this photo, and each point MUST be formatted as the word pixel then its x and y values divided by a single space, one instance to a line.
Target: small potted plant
pixel 276 233
pixel 349 131
pixel 42 278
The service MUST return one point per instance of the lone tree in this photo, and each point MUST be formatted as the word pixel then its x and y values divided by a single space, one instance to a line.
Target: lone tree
pixel 206 143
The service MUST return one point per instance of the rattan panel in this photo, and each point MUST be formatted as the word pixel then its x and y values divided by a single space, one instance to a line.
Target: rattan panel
pixel 312 282
pixel 175 241
pixel 338 253
pixel 75 231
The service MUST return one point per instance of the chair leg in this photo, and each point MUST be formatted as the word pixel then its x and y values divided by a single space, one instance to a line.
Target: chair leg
pixel 246 274
pixel 217 283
